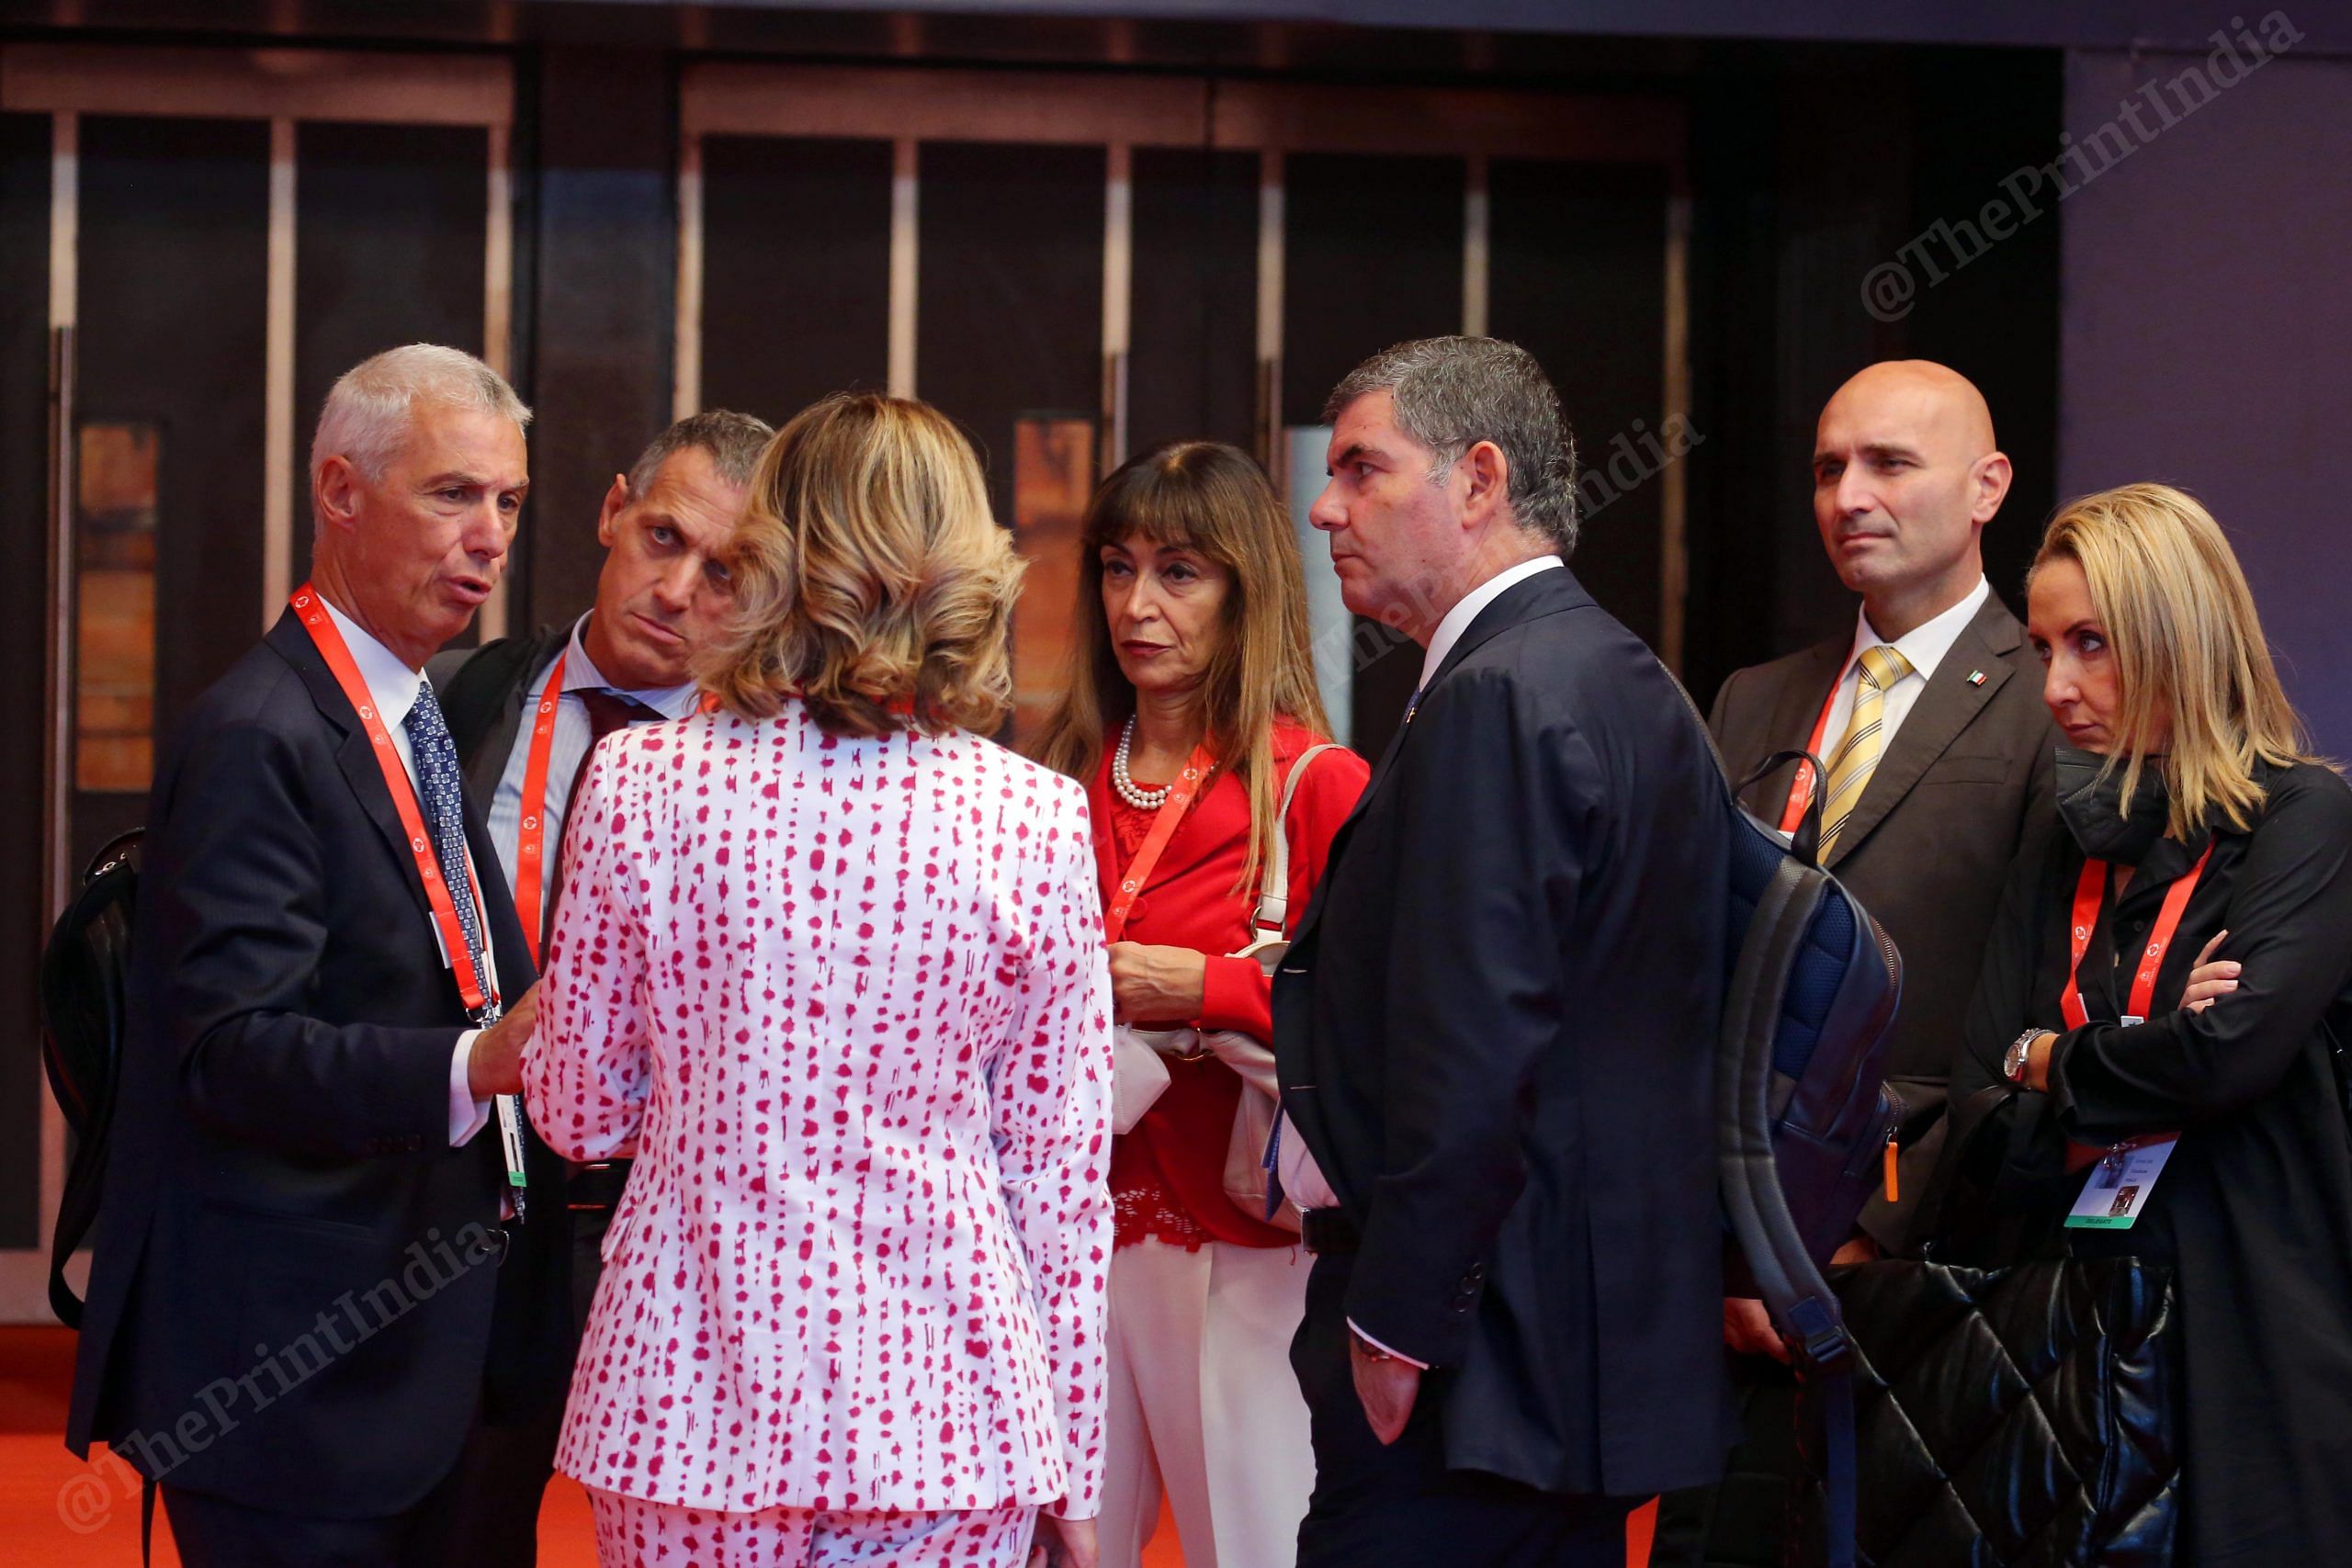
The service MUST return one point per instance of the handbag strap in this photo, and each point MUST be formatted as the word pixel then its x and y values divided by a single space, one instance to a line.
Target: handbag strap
pixel 1272 918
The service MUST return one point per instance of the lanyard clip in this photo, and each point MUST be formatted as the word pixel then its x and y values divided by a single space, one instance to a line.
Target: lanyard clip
pixel 489 1012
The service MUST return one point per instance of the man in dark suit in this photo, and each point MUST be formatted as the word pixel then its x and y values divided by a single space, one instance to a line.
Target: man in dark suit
pixel 314 1276
pixel 658 597
pixel 1496 1030
pixel 1928 715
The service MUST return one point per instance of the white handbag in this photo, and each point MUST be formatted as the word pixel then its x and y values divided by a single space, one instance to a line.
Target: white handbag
pixel 1246 1178
pixel 1139 1071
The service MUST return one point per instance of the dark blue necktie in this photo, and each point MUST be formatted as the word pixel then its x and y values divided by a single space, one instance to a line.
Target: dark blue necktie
pixel 440 791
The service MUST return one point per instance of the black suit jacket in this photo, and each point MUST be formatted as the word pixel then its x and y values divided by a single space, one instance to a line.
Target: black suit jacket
pixel 1961 791
pixel 1496 1033
pixel 484 692
pixel 300 1298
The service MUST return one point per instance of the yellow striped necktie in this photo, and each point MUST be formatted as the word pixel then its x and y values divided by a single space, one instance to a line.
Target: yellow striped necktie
pixel 1857 754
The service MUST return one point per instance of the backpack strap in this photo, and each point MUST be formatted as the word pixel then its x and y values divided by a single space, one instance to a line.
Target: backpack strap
pixel 1271 922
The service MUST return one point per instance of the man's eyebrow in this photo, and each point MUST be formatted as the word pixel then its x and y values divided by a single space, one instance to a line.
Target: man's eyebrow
pixel 471 482
pixel 1352 451
pixel 1890 449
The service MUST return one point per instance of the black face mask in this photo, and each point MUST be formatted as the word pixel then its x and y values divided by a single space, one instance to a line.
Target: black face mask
pixel 2090 797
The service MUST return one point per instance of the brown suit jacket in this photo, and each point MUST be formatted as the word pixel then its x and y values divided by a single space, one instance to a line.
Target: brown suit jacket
pixel 1963 789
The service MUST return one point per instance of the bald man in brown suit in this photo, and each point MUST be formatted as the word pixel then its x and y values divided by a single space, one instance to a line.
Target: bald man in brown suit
pixel 1928 713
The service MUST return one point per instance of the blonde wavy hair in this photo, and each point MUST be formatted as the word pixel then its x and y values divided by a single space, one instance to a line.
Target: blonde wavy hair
pixel 2182 629
pixel 1213 498
pixel 870 579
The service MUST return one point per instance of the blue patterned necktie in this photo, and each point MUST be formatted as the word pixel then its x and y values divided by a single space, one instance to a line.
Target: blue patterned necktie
pixel 440 791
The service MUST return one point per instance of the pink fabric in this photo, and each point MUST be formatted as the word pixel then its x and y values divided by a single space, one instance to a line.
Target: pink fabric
pixel 632 1533
pixel 848 1000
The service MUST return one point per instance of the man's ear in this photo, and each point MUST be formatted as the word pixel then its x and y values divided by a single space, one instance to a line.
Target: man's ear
pixel 335 494
pixel 1993 477
pixel 1487 475
pixel 608 519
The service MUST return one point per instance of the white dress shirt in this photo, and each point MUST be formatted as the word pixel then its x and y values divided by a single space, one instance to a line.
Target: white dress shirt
pixel 1467 609
pixel 393 686
pixel 1923 647
pixel 573 729
pixel 1303 1179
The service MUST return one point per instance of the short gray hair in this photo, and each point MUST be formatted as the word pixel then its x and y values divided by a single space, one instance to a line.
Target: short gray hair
pixel 367 413
pixel 1453 392
pixel 734 441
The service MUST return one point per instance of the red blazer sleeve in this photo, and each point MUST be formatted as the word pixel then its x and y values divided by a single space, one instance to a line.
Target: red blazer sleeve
pixel 1236 994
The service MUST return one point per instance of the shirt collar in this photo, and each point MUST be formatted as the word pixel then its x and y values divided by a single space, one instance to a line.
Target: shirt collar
pixel 580 673
pixel 1457 620
pixel 391 683
pixel 1924 646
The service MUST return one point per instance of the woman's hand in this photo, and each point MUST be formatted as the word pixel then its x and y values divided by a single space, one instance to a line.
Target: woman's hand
pixel 2210 980
pixel 1157 985
pixel 1063 1543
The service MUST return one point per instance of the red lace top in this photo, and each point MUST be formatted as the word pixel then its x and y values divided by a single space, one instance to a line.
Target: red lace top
pixel 1168 1174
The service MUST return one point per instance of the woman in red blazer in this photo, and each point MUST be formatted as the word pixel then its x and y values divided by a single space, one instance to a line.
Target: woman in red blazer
pixel 1191 702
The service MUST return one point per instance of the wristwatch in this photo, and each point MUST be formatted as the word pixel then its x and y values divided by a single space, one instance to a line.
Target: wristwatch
pixel 2020 1052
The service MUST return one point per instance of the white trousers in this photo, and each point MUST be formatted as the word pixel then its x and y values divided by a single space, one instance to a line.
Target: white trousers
pixel 1204 1406
pixel 634 1533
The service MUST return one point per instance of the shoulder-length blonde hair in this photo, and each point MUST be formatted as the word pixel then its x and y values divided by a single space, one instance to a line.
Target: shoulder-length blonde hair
pixel 2182 629
pixel 870 581
pixel 1211 498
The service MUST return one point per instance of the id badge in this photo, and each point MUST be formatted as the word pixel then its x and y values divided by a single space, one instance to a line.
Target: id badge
pixel 2115 1193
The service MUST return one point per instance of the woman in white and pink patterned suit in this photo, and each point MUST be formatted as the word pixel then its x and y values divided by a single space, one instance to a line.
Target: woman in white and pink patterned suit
pixel 833 964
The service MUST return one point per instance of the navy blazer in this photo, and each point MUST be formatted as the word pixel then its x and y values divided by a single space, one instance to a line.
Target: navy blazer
pixel 1496 1033
pixel 295 1278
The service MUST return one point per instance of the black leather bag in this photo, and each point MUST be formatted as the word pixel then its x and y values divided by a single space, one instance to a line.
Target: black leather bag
pixel 2023 1416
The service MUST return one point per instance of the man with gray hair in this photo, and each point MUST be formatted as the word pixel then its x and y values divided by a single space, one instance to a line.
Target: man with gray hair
pixel 1495 1027
pixel 526 712
pixel 330 1249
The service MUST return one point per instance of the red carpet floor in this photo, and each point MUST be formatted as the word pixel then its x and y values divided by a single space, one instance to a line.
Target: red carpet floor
pixel 56 1511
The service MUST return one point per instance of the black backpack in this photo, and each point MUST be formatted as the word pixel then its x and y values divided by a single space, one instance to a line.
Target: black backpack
pixel 1803 1116
pixel 85 974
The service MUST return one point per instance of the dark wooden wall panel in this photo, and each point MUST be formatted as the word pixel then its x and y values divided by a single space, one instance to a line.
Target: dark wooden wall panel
pixel 602 273
pixel 1192 332
pixel 174 300
pixel 24 643
pixel 1577 277
pixel 796 271
pixel 1009 314
pixel 390 225
pixel 1372 256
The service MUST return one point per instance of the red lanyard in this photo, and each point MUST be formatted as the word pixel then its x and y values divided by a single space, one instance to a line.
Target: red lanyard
pixel 312 612
pixel 2090 892
pixel 1801 787
pixel 531 832
pixel 530 837
pixel 1163 827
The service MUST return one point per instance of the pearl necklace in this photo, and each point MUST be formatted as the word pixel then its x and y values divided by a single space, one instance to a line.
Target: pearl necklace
pixel 1141 800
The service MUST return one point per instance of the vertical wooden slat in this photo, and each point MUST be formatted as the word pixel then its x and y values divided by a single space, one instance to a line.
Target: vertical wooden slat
pixel 278 520
pixel 1270 309
pixel 1476 228
pixel 1674 566
pixel 497 319
pixel 1118 277
pixel 904 260
pixel 685 381
pixel 64 250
